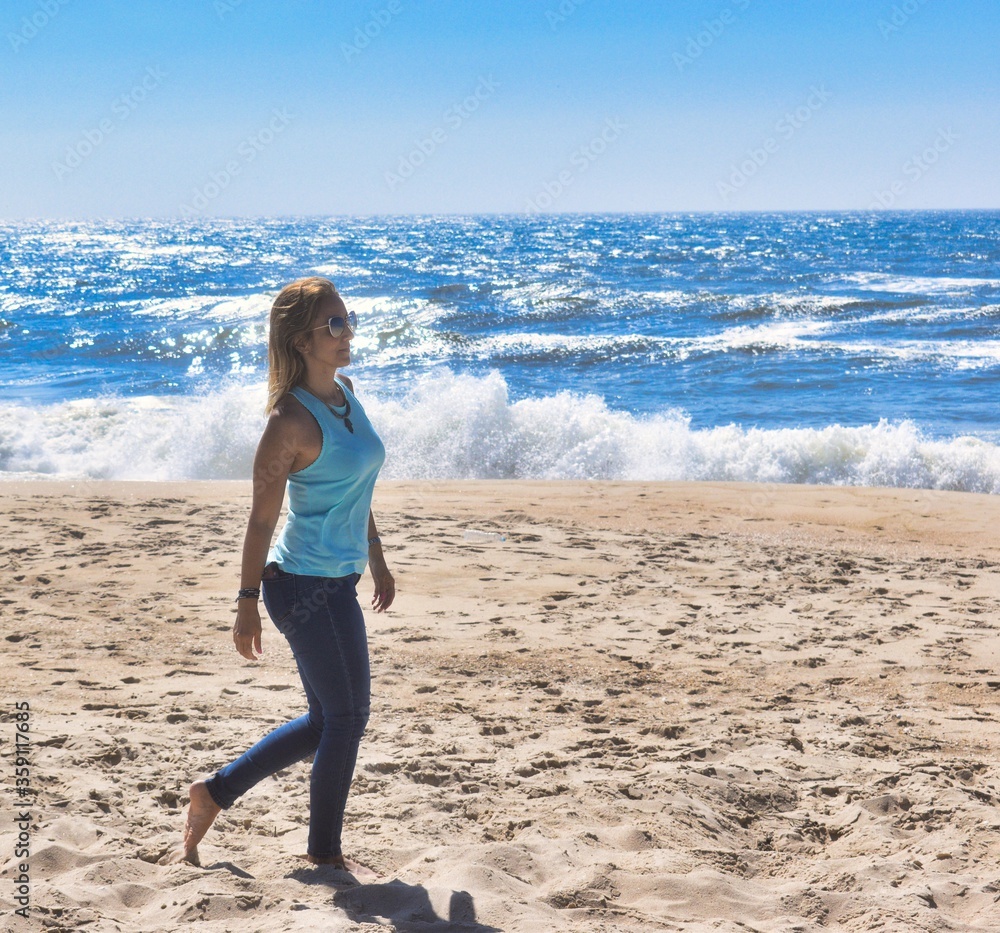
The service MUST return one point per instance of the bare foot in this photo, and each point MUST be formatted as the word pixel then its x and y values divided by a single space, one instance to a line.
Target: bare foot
pixel 201 813
pixel 337 861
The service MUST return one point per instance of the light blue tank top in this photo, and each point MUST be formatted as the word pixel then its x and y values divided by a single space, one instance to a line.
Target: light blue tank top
pixel 326 532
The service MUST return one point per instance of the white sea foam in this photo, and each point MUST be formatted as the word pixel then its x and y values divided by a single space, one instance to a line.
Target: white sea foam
pixel 152 438
pixel 461 427
pixel 782 335
pixel 223 308
pixel 911 315
pixel 343 269
pixel 918 284
pixel 800 336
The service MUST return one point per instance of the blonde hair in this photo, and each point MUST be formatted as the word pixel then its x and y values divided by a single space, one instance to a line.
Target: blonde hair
pixel 291 318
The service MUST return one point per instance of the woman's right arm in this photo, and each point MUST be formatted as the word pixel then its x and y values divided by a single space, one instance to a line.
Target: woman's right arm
pixel 272 463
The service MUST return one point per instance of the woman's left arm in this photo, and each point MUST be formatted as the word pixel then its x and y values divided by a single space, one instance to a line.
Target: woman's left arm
pixel 385 586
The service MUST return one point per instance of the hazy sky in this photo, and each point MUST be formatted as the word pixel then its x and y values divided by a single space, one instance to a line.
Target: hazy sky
pixel 260 107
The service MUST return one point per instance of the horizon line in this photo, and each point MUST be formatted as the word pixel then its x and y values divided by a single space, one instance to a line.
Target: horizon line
pixel 194 221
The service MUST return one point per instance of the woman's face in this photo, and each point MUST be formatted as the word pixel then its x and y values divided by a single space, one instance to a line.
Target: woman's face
pixel 322 346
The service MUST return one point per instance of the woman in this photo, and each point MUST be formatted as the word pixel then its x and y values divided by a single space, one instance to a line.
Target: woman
pixel 320 441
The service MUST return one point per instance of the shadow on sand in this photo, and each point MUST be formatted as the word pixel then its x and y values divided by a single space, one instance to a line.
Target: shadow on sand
pixel 228 866
pixel 406 906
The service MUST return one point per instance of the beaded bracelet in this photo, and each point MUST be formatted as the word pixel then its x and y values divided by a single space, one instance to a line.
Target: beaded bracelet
pixel 375 540
pixel 248 592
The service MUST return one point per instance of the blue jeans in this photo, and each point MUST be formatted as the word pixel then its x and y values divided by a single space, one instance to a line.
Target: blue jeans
pixel 322 622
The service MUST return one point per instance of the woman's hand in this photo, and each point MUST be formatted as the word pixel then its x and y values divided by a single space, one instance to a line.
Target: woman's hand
pixel 385 586
pixel 246 629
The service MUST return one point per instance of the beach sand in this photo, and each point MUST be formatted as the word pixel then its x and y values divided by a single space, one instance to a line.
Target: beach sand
pixel 655 706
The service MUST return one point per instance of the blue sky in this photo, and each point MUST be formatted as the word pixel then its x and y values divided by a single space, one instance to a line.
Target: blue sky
pixel 260 107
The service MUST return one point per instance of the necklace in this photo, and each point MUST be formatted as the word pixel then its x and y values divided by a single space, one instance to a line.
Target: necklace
pixel 346 416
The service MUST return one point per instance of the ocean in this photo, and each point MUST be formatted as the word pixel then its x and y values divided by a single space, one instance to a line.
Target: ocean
pixel 844 348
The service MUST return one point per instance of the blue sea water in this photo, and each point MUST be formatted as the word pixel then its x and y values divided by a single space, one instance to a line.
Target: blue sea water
pixel 855 348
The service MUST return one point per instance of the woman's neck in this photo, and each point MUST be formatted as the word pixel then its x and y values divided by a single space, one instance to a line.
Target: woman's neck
pixel 325 387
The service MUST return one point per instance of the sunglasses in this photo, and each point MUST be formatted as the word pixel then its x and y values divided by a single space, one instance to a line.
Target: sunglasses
pixel 337 324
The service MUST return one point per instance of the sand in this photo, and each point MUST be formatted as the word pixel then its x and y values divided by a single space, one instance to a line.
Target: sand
pixel 653 707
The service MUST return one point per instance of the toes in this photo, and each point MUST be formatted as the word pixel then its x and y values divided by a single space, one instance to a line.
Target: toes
pixel 180 855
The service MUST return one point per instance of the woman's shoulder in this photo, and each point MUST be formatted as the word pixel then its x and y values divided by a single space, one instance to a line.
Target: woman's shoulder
pixel 287 407
pixel 292 438
pixel 290 418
